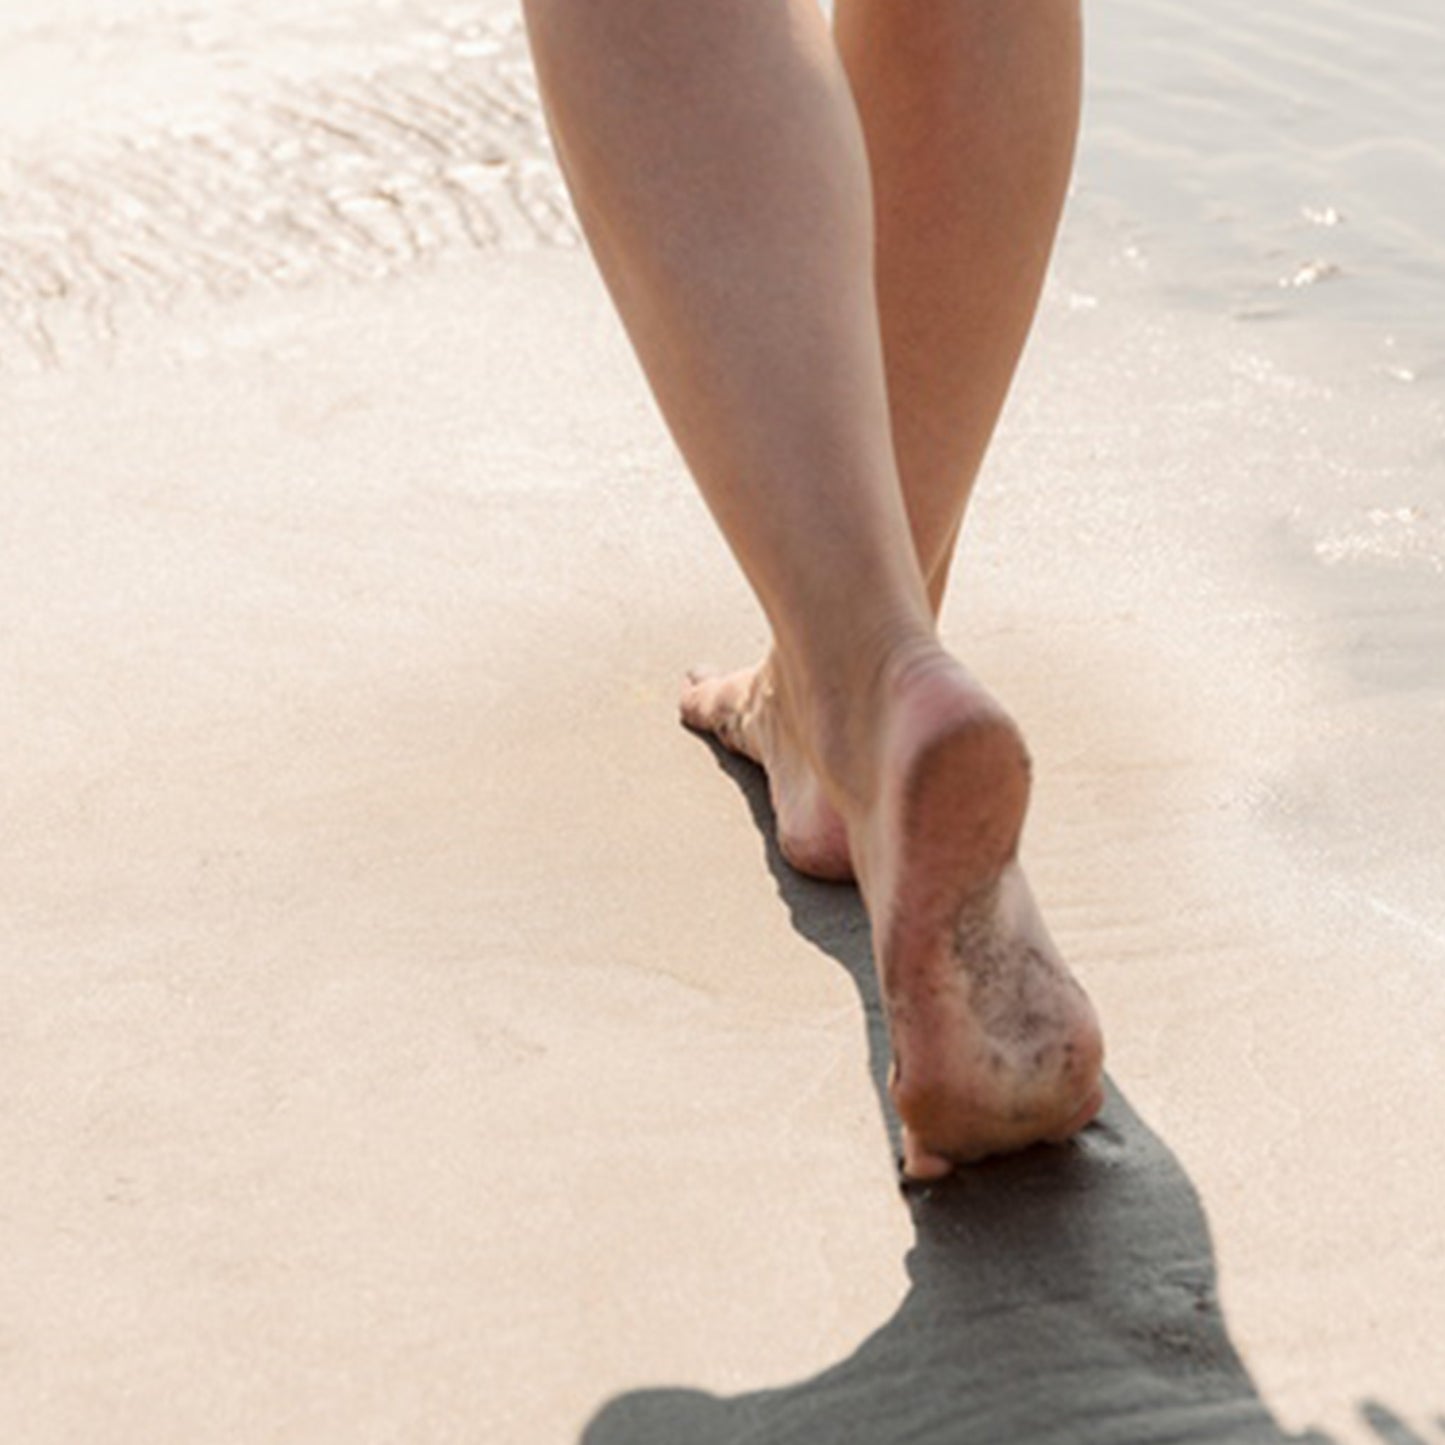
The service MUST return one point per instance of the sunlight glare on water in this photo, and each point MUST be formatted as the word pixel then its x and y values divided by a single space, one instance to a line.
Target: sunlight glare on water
pixel 1272 163
pixel 1278 160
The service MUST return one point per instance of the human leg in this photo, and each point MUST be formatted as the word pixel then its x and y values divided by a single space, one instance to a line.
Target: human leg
pixel 714 155
pixel 716 161
pixel 969 110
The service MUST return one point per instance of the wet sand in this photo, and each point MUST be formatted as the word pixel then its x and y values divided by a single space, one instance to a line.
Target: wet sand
pixel 410 1032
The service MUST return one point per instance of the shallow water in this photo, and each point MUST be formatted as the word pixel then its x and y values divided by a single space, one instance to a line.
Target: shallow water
pixel 1280 162
pixel 157 152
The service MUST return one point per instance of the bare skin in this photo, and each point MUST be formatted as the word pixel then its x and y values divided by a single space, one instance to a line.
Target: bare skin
pixel 959 104
pixel 995 1045
pixel 829 299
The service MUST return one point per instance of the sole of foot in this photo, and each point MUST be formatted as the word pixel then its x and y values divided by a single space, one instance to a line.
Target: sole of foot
pixel 996 1047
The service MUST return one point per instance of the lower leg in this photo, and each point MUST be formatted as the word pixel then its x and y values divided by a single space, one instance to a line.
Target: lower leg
pixel 970 111
pixel 714 154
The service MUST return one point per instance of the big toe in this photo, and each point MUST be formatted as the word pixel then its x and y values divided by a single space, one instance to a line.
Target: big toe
pixel 710 701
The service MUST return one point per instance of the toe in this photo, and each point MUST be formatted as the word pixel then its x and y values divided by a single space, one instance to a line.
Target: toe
pixel 714 703
pixel 700 703
pixel 922 1165
pixel 695 700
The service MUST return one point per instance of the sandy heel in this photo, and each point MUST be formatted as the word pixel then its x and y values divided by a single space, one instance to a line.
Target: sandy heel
pixel 995 1044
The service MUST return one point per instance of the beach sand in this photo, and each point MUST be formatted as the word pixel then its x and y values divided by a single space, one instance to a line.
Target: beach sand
pixel 410 1032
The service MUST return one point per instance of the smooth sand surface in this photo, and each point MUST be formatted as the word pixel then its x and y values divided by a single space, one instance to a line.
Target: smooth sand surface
pixel 410 1033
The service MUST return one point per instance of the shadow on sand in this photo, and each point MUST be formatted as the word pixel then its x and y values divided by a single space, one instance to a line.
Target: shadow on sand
pixel 1063 1295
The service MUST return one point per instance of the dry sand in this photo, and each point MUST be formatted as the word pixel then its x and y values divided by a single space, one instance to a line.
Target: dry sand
pixel 411 1035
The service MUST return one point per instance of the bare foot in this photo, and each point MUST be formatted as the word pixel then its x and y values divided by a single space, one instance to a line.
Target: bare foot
pixel 746 712
pixel 995 1045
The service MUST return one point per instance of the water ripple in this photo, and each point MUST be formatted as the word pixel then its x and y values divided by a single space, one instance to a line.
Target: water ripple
pixel 358 173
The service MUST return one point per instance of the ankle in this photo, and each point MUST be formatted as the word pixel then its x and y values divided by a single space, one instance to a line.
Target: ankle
pixel 842 706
